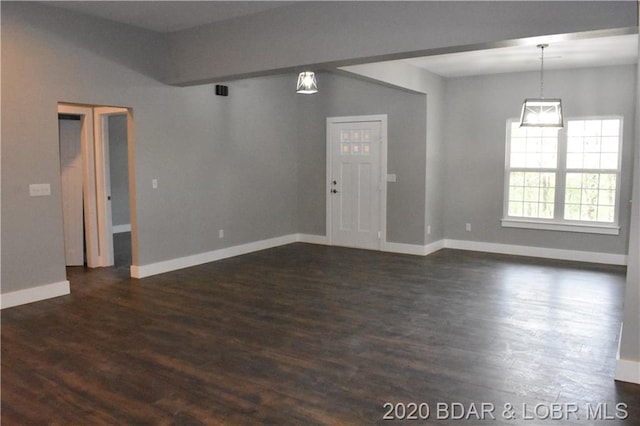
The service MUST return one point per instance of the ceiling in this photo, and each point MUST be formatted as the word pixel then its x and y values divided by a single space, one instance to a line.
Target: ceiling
pixel 562 54
pixel 168 16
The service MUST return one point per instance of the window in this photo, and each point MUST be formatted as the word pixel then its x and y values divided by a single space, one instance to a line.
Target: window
pixel 564 179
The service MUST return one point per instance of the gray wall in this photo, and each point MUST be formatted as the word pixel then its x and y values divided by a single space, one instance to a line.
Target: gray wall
pixel 232 162
pixel 475 116
pixel 405 76
pixel 345 33
pixel 221 163
pixel 630 339
pixel 119 170
pixel 342 96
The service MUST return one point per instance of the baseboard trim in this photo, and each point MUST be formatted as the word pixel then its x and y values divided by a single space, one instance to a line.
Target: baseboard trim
pixel 413 249
pixel 313 239
pixel 142 271
pixel 402 248
pixel 118 229
pixel 628 371
pixel 34 294
pixel 543 252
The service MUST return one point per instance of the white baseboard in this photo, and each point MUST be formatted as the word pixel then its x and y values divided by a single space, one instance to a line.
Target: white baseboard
pixel 401 248
pixel 142 271
pixel 34 294
pixel 414 249
pixel 313 239
pixel 118 229
pixel 628 371
pixel 543 252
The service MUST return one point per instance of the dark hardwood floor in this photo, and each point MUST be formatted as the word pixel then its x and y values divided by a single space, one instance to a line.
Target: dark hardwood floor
pixel 306 334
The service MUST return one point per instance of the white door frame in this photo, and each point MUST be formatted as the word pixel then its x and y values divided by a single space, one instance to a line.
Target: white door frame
pixel 103 181
pixel 89 179
pixel 95 173
pixel 382 118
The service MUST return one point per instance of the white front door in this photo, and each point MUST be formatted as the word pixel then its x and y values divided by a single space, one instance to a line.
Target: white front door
pixel 356 195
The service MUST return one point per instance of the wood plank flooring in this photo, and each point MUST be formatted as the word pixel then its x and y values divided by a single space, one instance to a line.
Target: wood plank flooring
pixel 306 334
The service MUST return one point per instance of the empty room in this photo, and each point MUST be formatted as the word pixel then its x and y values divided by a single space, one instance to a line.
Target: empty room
pixel 301 212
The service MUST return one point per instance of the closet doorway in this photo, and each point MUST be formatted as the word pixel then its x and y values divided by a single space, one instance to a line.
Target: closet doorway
pixel 97 184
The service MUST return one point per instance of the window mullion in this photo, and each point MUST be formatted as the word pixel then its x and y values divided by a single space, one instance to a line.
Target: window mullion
pixel 561 175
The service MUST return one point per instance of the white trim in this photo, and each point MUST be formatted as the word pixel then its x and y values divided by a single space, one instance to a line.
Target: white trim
pixel 413 249
pixel 118 229
pixel 142 271
pixel 403 248
pixel 89 179
pixel 543 252
pixel 433 247
pixel 566 227
pixel 313 239
pixel 627 371
pixel 34 294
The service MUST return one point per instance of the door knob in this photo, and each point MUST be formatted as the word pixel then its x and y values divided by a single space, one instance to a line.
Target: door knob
pixel 334 191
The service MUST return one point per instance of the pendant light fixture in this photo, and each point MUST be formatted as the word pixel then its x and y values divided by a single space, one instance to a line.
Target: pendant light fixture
pixel 307 83
pixel 541 112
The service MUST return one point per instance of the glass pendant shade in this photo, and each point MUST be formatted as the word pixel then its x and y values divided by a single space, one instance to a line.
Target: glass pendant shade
pixel 540 112
pixel 307 83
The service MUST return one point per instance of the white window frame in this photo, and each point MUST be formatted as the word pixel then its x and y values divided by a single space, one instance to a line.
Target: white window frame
pixel 558 223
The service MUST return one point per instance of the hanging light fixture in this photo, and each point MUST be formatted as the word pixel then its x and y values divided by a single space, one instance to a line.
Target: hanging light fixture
pixel 307 83
pixel 541 112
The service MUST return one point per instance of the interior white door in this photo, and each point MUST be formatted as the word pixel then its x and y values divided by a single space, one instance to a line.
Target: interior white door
pixel 88 180
pixel 71 181
pixel 103 182
pixel 96 183
pixel 355 185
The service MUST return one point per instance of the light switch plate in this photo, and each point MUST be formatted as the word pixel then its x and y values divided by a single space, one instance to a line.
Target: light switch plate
pixel 391 177
pixel 39 189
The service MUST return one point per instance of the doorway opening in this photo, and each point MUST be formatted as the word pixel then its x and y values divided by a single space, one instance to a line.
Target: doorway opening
pixel 96 172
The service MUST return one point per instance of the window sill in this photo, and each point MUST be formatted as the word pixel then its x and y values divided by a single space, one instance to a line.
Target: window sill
pixel 565 227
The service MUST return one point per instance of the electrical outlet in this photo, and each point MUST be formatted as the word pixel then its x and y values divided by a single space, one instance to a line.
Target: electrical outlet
pixel 154 183
pixel 467 227
pixel 221 233
pixel 39 189
pixel 428 229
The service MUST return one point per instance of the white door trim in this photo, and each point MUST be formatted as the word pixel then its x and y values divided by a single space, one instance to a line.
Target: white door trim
pixel 382 118
pixel 103 177
pixel 89 179
pixel 96 188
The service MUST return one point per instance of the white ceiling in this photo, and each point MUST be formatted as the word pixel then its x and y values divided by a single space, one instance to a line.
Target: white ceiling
pixel 564 54
pixel 168 16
